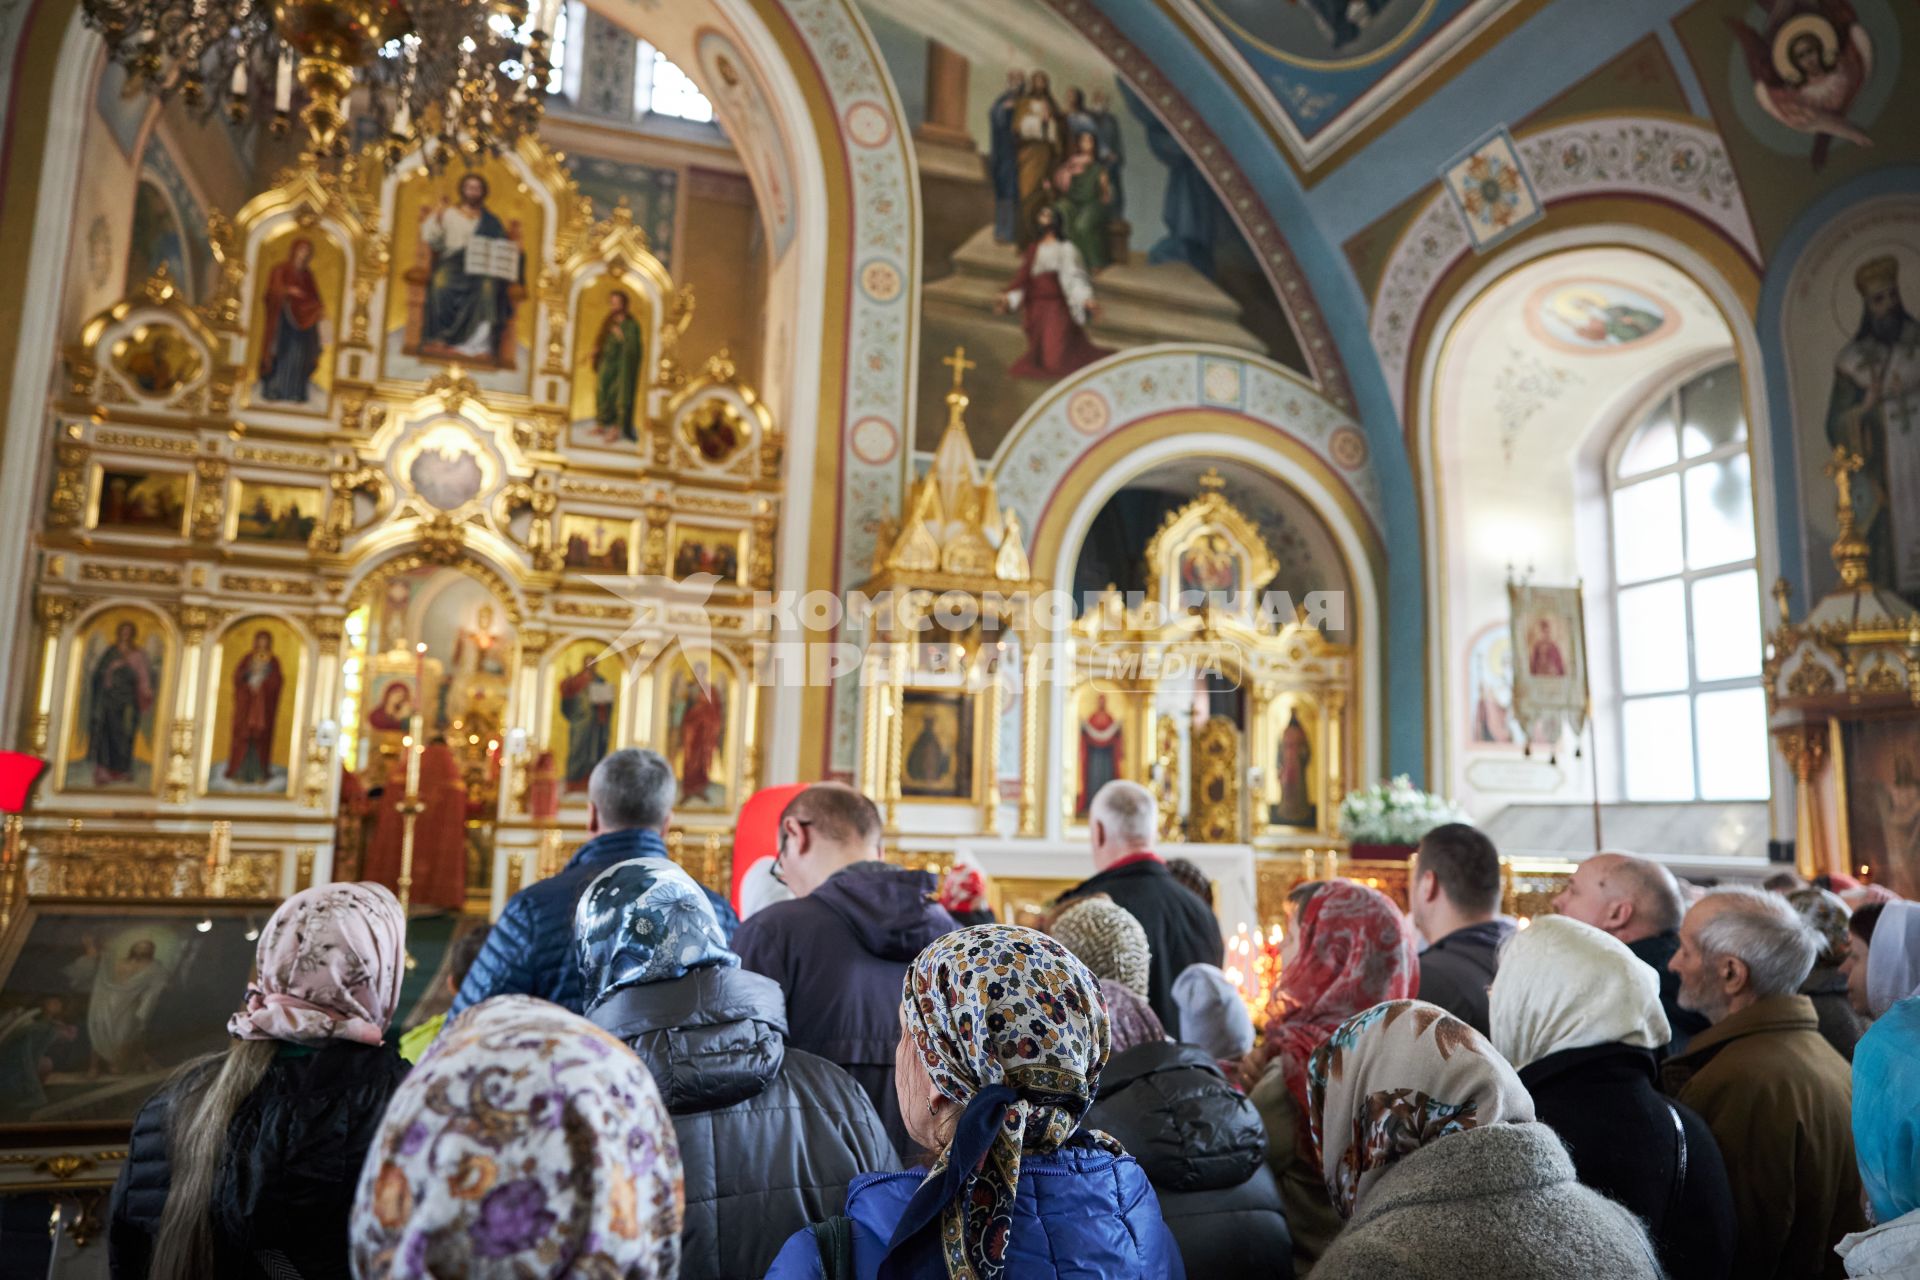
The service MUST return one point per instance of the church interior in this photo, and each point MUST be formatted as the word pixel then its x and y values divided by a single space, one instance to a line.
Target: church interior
pixel 1320 413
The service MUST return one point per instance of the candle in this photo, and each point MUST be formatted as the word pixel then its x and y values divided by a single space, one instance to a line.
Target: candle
pixel 239 88
pixel 413 756
pixel 283 83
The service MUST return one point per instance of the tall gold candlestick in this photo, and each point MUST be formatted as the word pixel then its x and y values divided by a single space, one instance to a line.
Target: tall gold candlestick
pixel 410 809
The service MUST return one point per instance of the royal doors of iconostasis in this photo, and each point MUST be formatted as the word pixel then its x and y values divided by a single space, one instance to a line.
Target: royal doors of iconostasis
pixel 378 507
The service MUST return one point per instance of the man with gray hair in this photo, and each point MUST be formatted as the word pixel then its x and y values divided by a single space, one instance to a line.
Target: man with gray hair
pixel 1123 822
pixel 1778 1098
pixel 630 798
pixel 1637 901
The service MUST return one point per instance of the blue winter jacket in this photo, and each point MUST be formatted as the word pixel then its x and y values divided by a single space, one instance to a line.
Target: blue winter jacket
pixel 530 950
pixel 1082 1214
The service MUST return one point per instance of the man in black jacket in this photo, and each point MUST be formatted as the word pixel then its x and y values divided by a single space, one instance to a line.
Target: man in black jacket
pixel 1122 822
pixel 840 949
pixel 1637 901
pixel 1453 890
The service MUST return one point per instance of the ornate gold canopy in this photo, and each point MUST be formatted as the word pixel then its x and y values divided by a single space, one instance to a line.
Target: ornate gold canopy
pixel 955 535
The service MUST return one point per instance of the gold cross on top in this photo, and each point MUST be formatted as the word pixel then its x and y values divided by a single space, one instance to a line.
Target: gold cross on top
pixel 959 363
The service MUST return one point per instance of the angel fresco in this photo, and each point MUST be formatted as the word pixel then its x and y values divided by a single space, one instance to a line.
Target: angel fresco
pixel 1809 65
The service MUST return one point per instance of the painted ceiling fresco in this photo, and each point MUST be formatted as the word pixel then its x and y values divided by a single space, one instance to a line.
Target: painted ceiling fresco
pixel 1322 70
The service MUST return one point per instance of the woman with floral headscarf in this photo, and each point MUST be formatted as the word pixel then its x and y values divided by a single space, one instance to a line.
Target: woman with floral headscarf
pixel 1003 1038
pixel 527 1142
pixel 242 1165
pixel 1347 948
pixel 769 1136
pixel 1429 1150
pixel 1826 983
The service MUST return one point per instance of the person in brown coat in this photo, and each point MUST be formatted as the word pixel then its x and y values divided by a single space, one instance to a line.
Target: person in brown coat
pixel 1774 1092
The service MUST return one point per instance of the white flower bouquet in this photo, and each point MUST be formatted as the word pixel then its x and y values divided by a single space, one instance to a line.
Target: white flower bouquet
pixel 1394 813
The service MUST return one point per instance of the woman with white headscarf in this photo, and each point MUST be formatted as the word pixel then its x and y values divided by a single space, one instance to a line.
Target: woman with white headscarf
pixel 1430 1153
pixel 1579 1016
pixel 1893 956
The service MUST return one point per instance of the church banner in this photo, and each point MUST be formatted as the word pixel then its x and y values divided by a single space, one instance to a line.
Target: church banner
pixel 1549 660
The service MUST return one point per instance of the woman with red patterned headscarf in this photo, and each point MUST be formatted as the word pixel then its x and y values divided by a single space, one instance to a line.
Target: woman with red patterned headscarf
pixel 1347 949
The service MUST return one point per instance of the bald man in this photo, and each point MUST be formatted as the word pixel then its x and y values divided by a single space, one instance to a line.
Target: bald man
pixel 1637 901
pixel 840 947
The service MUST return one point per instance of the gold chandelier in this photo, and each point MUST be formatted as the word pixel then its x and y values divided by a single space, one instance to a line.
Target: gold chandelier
pixel 467 75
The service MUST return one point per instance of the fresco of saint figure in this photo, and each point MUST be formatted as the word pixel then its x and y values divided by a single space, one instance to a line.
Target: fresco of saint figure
pixel 121 688
pixel 617 357
pixel 1054 295
pixel 295 331
pixel 255 692
pixel 475 263
pixel 1874 411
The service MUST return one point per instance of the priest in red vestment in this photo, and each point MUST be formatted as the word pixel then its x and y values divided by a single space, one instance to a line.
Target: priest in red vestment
pixel 439 833
pixel 1054 296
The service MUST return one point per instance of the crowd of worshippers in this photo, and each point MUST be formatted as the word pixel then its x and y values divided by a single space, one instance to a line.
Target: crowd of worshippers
pixel 869 1077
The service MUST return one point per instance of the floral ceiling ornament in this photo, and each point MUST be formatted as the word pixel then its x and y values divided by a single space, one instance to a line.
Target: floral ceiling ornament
pixel 1492 189
pixel 466 76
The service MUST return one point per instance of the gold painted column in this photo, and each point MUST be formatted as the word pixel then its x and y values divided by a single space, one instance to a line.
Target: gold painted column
pixel 1334 753
pixel 1804 747
pixel 1030 713
pixel 195 621
pixel 54 612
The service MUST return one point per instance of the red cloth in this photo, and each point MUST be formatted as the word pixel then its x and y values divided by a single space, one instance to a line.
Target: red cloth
pixel 254 712
pixel 756 834
pixel 292 288
pixel 964 889
pixel 1098 730
pixel 1145 855
pixel 1354 950
pixel 18 772
pixel 439 833
pixel 1056 344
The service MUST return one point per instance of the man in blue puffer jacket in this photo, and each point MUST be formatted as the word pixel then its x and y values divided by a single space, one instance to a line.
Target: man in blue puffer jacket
pixel 530 950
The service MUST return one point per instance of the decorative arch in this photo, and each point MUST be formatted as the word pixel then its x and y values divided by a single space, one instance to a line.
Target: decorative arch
pixel 1729 281
pixel 1101 471
pixel 1086 411
pixel 1675 162
pixel 380 564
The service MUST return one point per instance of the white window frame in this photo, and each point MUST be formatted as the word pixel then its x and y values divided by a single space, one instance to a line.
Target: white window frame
pixel 1612 483
pixel 646 61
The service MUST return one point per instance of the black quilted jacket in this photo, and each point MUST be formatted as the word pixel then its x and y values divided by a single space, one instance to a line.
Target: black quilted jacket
pixel 769 1136
pixel 1204 1149
pixel 288 1174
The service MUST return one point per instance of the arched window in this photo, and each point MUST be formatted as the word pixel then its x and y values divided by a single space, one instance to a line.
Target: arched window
pixel 661 88
pixel 1686 598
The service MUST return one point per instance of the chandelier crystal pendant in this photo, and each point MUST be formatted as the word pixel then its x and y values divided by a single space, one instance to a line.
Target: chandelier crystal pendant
pixel 454 76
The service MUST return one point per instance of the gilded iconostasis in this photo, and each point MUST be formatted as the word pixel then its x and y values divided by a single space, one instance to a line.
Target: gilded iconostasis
pixel 1533 416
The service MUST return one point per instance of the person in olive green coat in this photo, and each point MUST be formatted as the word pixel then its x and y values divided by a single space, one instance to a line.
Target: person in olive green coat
pixel 1774 1092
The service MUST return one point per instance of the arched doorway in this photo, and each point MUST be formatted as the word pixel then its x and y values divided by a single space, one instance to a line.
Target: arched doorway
pixel 1545 378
